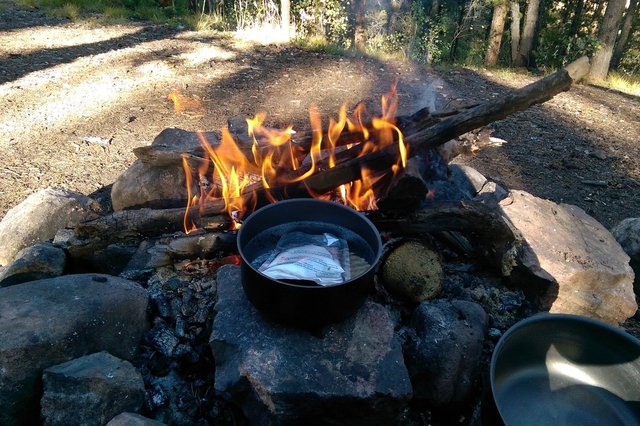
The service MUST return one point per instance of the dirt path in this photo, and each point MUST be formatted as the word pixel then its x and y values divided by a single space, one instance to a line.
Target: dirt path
pixel 77 98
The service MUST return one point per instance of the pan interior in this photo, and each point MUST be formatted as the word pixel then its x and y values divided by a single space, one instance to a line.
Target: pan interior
pixel 566 370
pixel 556 396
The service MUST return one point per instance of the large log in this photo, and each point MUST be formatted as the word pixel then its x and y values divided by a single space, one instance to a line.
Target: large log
pixel 148 222
pixel 326 179
pixel 145 222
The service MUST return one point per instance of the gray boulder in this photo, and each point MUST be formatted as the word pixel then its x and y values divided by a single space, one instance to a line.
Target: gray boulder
pixel 46 322
pixel 157 178
pixel 568 261
pixel 627 234
pixel 353 373
pixel 90 390
pixel 143 185
pixel 39 216
pixel 442 348
pixel 33 263
pixel 133 419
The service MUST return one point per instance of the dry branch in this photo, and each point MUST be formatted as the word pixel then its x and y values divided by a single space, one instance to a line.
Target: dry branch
pixel 474 219
pixel 432 133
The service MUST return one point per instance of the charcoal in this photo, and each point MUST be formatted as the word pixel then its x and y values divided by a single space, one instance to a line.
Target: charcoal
pixel 176 307
pixel 181 326
pixel 203 313
pixel 155 397
pixel 162 339
pixel 189 303
pixel 162 305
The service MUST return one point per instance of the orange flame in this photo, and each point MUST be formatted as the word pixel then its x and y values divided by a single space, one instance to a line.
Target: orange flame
pixel 275 159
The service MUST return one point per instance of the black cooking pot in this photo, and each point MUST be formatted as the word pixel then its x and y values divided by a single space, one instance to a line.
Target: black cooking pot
pixel 298 303
pixel 558 369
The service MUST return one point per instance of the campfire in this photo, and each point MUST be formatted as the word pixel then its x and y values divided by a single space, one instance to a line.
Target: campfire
pixel 279 163
pixel 463 260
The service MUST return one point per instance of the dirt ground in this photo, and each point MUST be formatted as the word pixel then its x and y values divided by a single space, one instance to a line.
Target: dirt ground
pixel 78 97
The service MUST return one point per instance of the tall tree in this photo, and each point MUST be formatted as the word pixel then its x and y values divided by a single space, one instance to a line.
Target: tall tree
pixel 515 32
pixel 528 32
pixel 285 16
pixel 495 34
pixel 596 17
pixel 627 26
pixel 607 37
pixel 435 8
pixel 396 9
pixel 358 23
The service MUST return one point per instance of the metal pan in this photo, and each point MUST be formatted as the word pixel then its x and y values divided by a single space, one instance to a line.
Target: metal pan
pixel 557 369
pixel 300 304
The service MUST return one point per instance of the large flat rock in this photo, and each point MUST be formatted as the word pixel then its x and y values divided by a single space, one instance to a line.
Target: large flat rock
pixel 570 260
pixel 90 390
pixel 350 373
pixel 47 322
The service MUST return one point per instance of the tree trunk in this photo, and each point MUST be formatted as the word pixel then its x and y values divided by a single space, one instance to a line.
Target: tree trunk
pixel 595 18
pixel 495 34
pixel 607 37
pixel 394 13
pixel 528 32
pixel 576 19
pixel 515 31
pixel 627 26
pixel 454 43
pixel 435 8
pixel 285 17
pixel 358 24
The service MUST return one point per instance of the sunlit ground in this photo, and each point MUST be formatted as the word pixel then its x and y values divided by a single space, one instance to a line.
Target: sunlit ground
pixel 62 95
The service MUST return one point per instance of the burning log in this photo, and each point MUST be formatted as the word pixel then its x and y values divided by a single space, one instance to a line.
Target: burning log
pixel 423 133
pixel 419 141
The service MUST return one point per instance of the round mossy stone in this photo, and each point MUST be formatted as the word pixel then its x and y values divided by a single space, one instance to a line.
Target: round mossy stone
pixel 413 272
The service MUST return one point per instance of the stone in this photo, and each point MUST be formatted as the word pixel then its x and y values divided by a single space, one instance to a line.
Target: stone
pixel 469 180
pixel 143 185
pixel 90 390
pixel 350 373
pixel 413 272
pixel 40 216
pixel 567 261
pixel 111 260
pixel 47 322
pixel 442 348
pixel 33 263
pixel 627 234
pixel 491 193
pixel 133 419
pixel 149 256
pixel 152 182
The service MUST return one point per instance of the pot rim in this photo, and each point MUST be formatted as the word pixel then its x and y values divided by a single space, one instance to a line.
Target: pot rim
pixel 377 251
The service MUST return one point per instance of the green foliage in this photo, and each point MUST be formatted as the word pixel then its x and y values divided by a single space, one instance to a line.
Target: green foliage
pixel 205 22
pixel 556 47
pixel 110 9
pixel 323 19
pixel 319 44
pixel 630 62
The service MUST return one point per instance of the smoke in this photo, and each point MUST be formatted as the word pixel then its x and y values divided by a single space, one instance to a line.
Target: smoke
pixel 429 94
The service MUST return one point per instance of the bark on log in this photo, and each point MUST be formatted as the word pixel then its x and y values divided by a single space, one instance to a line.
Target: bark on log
pixel 154 222
pixel 477 221
pixel 144 222
pixel 327 179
